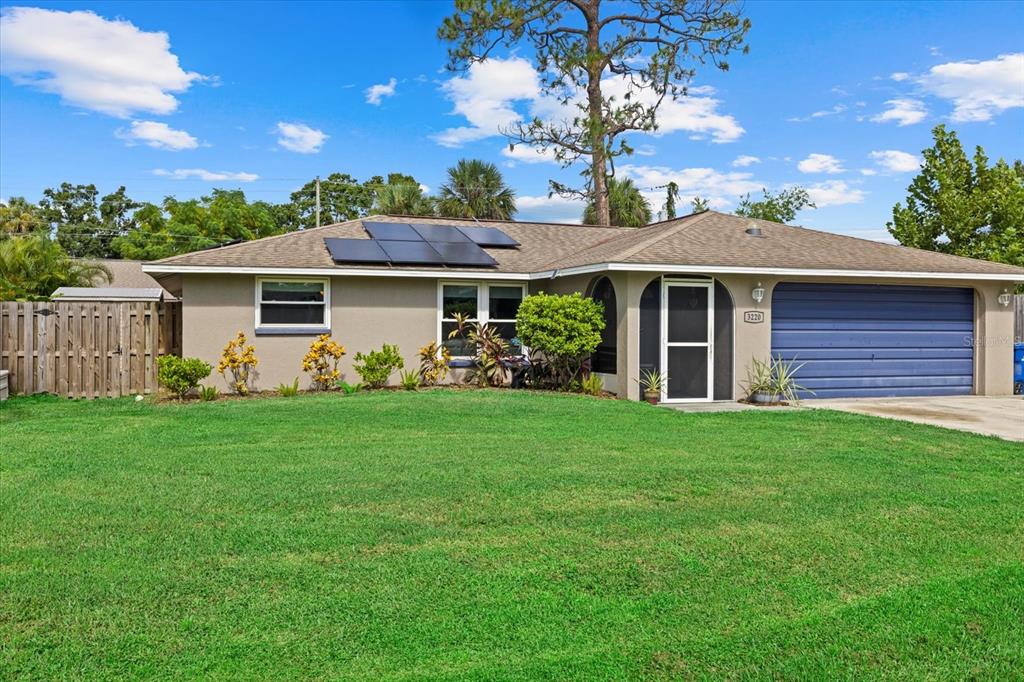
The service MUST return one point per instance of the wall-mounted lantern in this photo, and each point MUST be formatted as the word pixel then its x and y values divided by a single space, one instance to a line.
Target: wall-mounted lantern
pixel 1004 298
pixel 758 293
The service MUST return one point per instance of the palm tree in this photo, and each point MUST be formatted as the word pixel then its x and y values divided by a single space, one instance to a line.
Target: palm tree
pixel 627 205
pixel 475 189
pixel 17 216
pixel 403 198
pixel 32 267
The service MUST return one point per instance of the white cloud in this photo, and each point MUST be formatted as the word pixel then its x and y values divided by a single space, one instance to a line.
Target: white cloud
pixel 721 189
pixel 899 76
pixel 896 161
pixel 745 160
pixel 868 171
pixel 553 209
pixel 484 97
pixel 158 135
pixel 108 66
pixel 837 109
pixel 645 150
pixel 488 94
pixel 203 174
pixel 299 137
pixel 835 193
pixel 978 89
pixel 904 112
pixel 528 154
pixel 376 93
pixel 821 163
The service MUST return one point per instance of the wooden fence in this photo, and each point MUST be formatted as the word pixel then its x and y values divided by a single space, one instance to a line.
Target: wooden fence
pixel 87 350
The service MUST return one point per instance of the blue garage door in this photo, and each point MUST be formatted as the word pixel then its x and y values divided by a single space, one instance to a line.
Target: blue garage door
pixel 872 341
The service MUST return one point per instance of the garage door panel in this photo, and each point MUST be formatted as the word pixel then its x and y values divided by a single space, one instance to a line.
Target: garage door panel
pixel 838 338
pixel 885 368
pixel 881 353
pixel 872 340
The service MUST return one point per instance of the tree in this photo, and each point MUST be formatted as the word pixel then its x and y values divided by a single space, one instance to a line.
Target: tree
pixel 403 198
pixel 18 216
pixel 193 224
pixel 84 223
pixel 628 206
pixel 32 267
pixel 342 198
pixel 778 208
pixel 957 207
pixel 614 69
pixel 476 189
pixel 699 204
pixel 671 196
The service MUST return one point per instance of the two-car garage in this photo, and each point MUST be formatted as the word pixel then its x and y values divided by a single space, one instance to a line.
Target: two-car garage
pixel 862 340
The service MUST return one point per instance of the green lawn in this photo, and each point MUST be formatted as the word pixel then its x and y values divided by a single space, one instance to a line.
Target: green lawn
pixel 502 535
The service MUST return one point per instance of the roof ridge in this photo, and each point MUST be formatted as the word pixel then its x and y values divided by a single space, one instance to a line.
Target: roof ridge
pixel 261 240
pixel 683 222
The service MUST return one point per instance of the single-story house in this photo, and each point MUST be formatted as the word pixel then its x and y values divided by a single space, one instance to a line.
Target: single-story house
pixel 127 283
pixel 695 297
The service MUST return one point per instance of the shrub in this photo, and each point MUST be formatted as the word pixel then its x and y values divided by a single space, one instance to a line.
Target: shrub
pixel 181 375
pixel 434 362
pixel 289 390
pixel 377 366
pixel 322 362
pixel 239 359
pixel 349 389
pixel 491 352
pixel 565 329
pixel 593 385
pixel 409 380
pixel 208 393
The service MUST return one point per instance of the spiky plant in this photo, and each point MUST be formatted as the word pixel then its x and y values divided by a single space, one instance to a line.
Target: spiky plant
pixel 476 189
pixel 627 205
pixel 32 267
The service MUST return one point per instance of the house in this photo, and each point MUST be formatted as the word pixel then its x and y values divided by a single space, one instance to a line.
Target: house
pixel 697 297
pixel 127 283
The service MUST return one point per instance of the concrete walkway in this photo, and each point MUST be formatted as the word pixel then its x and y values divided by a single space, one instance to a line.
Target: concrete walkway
pixel 1002 417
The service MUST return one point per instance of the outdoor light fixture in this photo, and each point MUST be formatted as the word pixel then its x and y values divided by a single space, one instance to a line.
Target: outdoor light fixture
pixel 1004 298
pixel 758 293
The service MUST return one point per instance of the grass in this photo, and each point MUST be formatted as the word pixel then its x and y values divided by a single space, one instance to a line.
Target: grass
pixel 502 535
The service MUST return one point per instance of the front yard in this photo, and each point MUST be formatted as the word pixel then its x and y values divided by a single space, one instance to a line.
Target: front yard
pixel 501 535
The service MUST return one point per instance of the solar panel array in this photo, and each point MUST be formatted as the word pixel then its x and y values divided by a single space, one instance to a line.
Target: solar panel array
pixel 414 244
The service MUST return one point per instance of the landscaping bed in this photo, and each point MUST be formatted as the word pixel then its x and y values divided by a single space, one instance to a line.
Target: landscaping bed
pixel 496 534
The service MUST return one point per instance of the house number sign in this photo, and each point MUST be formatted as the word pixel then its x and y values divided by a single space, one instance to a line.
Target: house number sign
pixel 753 316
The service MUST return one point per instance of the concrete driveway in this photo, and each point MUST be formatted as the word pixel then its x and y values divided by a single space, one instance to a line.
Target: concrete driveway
pixel 1002 417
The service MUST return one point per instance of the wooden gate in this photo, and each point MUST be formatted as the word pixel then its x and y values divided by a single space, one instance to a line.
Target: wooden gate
pixel 86 349
pixel 1018 318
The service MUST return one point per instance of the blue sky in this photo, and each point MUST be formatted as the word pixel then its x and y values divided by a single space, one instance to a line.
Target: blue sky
pixel 177 98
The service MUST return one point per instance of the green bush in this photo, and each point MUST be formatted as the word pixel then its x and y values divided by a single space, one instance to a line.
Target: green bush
pixel 564 329
pixel 377 366
pixel 208 393
pixel 289 390
pixel 409 380
pixel 181 375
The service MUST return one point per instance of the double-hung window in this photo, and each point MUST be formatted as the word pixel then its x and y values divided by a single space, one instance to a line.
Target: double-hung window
pixel 480 302
pixel 297 305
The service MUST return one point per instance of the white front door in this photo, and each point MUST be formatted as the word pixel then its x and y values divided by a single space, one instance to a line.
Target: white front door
pixel 687 340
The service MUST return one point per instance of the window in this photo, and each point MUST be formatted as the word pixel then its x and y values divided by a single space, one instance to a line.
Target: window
pixel 292 304
pixel 494 304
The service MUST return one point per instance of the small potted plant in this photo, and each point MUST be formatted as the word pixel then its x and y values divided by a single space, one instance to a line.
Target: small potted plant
pixel 770 383
pixel 651 382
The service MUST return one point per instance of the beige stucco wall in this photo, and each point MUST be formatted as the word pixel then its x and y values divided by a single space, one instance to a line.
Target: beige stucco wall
pixel 367 312
pixel 993 323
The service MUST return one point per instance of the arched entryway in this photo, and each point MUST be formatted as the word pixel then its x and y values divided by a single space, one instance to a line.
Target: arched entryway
pixel 605 358
pixel 705 291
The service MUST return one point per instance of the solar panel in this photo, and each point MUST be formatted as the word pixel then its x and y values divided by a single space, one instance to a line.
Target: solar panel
pixel 440 233
pixel 392 232
pixel 355 251
pixel 488 236
pixel 463 253
pixel 411 253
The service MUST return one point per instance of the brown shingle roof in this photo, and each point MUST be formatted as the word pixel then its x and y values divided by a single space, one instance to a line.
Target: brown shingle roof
pixel 708 239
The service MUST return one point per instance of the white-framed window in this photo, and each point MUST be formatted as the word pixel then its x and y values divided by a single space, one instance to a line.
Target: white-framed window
pixel 293 303
pixel 493 303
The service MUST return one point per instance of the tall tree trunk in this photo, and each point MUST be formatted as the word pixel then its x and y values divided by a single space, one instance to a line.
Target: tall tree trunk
pixel 599 161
